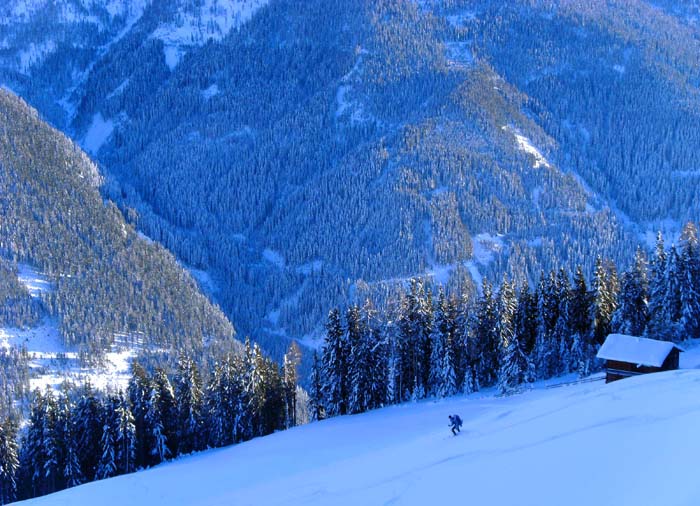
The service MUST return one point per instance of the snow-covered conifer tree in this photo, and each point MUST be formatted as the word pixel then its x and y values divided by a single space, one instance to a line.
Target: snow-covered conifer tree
pixel 485 335
pixel 189 401
pixel 125 441
pixel 316 394
pixel 335 360
pixel 658 325
pixel 290 365
pixel 690 282
pixel 107 465
pixel 9 462
pixel 605 288
pixel 515 367
pixel 672 304
pixel 88 431
pixel 632 312
pixel 158 441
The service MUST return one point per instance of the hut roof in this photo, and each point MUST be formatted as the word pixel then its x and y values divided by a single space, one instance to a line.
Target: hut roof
pixel 636 350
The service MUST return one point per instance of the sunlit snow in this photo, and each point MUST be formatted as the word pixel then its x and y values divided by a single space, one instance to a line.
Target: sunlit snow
pixel 628 442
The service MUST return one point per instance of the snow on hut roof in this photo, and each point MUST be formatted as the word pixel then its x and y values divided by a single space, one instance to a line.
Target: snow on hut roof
pixel 636 350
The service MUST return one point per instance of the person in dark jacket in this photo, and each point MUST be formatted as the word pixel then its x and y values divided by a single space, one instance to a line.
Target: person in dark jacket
pixel 455 423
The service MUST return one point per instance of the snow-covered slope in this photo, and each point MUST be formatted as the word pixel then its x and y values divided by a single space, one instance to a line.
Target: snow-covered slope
pixel 629 442
pixel 51 361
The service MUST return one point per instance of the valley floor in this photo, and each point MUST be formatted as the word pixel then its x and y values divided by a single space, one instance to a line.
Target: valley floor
pixel 629 442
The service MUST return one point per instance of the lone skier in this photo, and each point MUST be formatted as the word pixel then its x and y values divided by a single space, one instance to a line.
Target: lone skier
pixel 455 424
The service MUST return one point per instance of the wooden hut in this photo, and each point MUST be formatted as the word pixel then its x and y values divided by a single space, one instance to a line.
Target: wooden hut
pixel 627 356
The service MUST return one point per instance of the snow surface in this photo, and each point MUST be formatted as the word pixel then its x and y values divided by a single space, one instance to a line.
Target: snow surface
pixel 98 133
pixel 35 281
pixel 211 91
pixel 274 257
pixel 525 145
pixel 628 442
pixel 212 20
pixel 173 55
pixel 635 350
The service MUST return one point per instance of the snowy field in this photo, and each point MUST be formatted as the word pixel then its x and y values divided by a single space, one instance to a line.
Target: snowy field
pixel 51 361
pixel 629 442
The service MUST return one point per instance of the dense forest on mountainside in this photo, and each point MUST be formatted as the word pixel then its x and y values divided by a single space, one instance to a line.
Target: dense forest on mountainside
pixel 311 154
pixel 107 279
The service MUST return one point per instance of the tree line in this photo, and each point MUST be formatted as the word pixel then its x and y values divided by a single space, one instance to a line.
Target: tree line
pixel 438 346
pixel 79 435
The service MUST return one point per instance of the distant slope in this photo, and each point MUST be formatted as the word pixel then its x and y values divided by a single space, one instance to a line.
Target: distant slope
pixel 357 144
pixel 305 153
pixel 107 280
pixel 628 442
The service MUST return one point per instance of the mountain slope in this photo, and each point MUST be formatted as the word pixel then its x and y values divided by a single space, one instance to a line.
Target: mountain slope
pixel 309 153
pixel 623 443
pixel 106 279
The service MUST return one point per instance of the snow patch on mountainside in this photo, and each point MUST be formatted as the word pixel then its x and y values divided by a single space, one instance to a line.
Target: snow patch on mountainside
pixel 98 133
pixel 525 145
pixel 50 361
pixel 274 257
pixel 194 26
pixel 211 91
pixel 627 442
pixel 34 54
pixel 486 246
pixel 36 282
pixel 173 55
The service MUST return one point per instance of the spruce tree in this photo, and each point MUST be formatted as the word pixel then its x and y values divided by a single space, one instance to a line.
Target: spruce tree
pixel 632 314
pixel 465 346
pixel 672 304
pixel 9 462
pixel 316 398
pixel 157 440
pixel 526 318
pixel 125 442
pixel 107 465
pixel 605 289
pixel 66 432
pixel 415 325
pixel 562 330
pixel 167 408
pixel 335 362
pixel 358 361
pixel 581 323
pixel 189 401
pixel 88 428
pixel 443 380
pixel 546 347
pixel 290 366
pixel 515 367
pixel 690 282
pixel 139 392
pixel 659 323
pixel 486 347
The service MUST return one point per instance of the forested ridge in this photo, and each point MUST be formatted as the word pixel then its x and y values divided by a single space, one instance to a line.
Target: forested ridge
pixel 107 280
pixel 320 151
